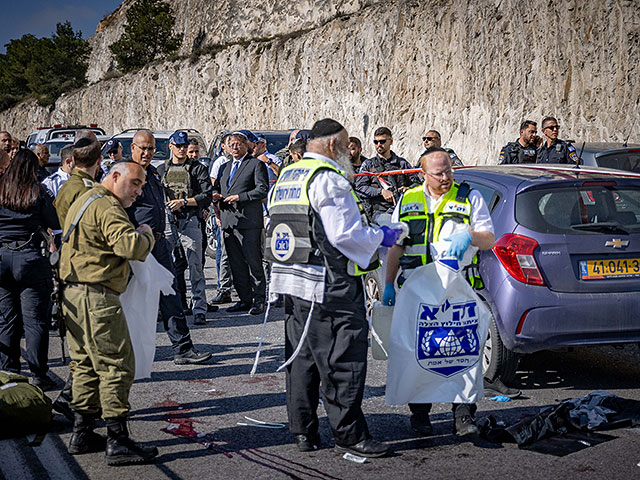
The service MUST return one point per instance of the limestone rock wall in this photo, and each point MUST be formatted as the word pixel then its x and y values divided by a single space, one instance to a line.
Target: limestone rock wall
pixel 471 71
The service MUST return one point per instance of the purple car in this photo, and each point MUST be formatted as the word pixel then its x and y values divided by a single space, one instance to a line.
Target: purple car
pixel 565 268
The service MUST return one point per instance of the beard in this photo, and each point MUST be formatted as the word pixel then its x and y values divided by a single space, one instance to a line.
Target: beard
pixel 343 158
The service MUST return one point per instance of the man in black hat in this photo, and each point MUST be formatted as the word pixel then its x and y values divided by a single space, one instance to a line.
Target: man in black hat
pixel 321 245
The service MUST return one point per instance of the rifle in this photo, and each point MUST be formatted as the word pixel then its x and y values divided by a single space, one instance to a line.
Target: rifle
pixel 178 250
pixel 56 311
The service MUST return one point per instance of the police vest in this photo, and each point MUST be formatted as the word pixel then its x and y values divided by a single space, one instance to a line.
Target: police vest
pixel 177 180
pixel 425 227
pixel 290 236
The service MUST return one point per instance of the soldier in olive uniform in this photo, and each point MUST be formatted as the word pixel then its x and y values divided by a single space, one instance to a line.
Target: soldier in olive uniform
pixel 555 150
pixel 523 150
pixel 86 155
pixel 188 188
pixel 95 268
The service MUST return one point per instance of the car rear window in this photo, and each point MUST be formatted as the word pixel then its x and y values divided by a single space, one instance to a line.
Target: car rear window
pixel 629 161
pixel 55 147
pixel 579 210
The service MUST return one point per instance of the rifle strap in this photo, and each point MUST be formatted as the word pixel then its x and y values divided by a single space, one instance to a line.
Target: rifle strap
pixel 79 215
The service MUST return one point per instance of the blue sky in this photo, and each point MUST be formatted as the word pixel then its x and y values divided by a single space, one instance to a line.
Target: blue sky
pixel 39 17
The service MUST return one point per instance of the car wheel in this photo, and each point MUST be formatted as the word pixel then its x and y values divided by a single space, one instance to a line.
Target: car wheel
pixel 498 360
pixel 372 291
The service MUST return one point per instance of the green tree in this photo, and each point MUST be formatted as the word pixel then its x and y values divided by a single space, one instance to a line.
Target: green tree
pixel 43 67
pixel 147 35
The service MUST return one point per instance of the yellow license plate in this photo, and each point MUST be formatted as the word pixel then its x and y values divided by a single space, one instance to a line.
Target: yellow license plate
pixel 616 268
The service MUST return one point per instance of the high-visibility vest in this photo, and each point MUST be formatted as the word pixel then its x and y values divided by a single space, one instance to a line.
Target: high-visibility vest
pixel 425 227
pixel 290 235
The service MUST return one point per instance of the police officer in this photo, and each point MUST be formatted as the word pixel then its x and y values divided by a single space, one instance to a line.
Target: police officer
pixel 94 265
pixel 25 275
pixel 523 150
pixel 430 201
pixel 554 150
pixel 322 243
pixel 112 149
pixel 188 189
pixel 149 209
pixel 432 139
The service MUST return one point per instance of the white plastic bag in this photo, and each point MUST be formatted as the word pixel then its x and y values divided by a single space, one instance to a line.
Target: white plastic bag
pixel 438 332
pixel 140 304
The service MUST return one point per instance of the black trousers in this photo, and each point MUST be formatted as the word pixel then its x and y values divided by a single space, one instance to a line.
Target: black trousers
pixel 25 295
pixel 334 356
pixel 244 250
pixel 171 309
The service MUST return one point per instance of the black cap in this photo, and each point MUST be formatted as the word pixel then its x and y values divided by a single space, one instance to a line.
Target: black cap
pixel 324 128
pixel 83 142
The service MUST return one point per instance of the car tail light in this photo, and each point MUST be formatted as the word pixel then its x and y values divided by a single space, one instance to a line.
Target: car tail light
pixel 93 125
pixel 57 125
pixel 515 253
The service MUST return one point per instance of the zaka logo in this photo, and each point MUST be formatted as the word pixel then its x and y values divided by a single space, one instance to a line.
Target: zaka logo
pixel 447 341
pixel 283 242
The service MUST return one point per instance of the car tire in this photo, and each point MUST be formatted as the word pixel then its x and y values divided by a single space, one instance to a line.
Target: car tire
pixel 212 244
pixel 497 360
pixel 372 290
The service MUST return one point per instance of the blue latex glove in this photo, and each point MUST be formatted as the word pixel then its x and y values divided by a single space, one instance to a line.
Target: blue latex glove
pixel 459 244
pixel 389 295
pixel 391 236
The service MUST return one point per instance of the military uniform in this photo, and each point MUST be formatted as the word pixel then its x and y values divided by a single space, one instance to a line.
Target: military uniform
pixel 559 152
pixel 190 180
pixel 94 265
pixel 515 153
pixel 78 183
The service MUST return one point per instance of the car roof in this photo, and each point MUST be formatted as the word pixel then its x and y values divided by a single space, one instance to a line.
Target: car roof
pixel 522 177
pixel 597 147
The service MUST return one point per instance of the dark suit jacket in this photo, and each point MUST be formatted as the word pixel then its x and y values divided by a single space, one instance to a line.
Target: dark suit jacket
pixel 251 184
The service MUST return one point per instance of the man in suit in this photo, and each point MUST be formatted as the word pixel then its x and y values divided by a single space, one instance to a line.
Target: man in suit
pixel 238 191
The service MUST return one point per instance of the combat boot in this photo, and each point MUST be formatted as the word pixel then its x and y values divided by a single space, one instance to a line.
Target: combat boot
pixel 62 404
pixel 84 439
pixel 121 450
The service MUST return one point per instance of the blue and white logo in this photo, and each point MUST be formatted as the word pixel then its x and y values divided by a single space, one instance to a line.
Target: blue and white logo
pixel 447 341
pixel 283 243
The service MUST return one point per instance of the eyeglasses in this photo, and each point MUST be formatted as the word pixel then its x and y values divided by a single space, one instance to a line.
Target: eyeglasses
pixel 381 142
pixel 429 139
pixel 553 127
pixel 144 149
pixel 446 173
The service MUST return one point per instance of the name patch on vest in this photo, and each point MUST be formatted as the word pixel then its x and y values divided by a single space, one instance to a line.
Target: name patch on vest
pixel 283 193
pixel 283 243
pixel 294 175
pixel 457 208
pixel 412 207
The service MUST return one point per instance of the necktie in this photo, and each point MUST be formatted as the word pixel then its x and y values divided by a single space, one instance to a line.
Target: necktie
pixel 234 167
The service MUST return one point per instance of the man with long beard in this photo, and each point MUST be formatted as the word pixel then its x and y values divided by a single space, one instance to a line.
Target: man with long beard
pixel 321 244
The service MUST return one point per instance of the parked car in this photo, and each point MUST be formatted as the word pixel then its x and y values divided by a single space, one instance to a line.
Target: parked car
pixel 162 152
pixel 59 132
pixel 609 155
pixel 54 147
pixel 565 268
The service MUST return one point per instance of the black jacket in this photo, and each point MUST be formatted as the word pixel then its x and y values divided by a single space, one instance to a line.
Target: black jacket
pixel 251 184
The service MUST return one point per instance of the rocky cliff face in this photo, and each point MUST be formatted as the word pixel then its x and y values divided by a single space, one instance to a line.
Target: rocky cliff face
pixel 471 71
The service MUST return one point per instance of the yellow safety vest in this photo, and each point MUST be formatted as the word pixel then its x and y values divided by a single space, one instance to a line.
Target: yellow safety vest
pixel 289 235
pixel 425 227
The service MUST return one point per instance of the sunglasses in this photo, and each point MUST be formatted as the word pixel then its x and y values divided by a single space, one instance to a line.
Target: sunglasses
pixel 381 142
pixel 429 139
pixel 553 127
pixel 182 145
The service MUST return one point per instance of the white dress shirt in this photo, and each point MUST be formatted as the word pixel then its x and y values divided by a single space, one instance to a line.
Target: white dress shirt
pixel 330 196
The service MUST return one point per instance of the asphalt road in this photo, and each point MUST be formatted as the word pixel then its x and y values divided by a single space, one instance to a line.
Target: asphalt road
pixel 192 414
